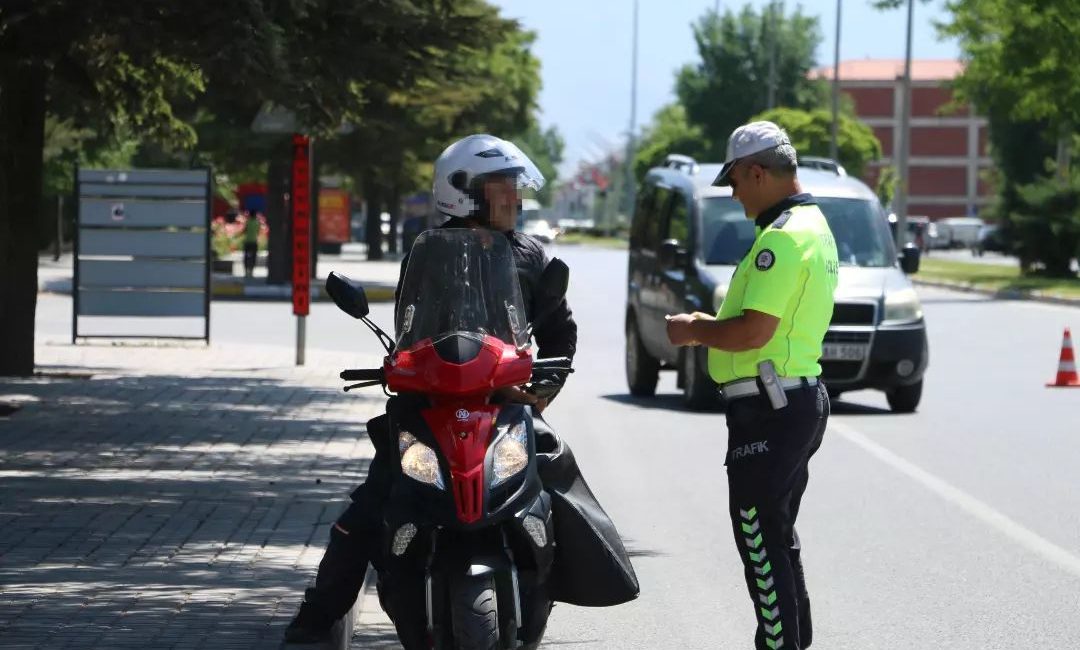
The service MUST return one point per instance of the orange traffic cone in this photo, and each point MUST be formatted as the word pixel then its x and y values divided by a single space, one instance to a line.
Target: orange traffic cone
pixel 1066 374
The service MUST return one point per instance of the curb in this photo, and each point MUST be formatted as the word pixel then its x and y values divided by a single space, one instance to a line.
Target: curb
pixel 1003 294
pixel 237 291
pixel 231 291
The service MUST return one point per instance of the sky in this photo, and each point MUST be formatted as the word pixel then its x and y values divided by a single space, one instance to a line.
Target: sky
pixel 584 47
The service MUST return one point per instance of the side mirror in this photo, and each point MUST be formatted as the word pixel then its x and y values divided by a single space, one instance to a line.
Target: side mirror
pixel 555 279
pixel 909 259
pixel 350 298
pixel 671 254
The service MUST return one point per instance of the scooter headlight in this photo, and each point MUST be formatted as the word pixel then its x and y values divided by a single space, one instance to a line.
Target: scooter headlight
pixel 418 461
pixel 511 453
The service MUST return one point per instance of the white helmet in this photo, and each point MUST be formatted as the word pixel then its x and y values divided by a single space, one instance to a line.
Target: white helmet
pixel 460 170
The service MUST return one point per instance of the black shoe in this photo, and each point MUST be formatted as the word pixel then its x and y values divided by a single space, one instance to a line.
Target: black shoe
pixel 309 626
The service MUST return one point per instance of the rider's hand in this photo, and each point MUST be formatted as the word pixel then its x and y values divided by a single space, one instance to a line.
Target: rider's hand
pixel 519 396
pixel 516 395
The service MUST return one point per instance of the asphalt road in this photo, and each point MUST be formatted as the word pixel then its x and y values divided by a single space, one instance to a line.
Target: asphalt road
pixel 957 527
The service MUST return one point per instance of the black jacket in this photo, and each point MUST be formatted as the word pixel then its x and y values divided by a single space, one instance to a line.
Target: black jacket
pixel 556 334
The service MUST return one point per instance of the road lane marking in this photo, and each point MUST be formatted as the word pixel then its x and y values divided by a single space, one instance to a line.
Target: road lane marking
pixel 1012 529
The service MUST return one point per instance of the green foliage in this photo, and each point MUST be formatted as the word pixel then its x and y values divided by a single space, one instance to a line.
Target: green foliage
pixel 1045 227
pixel 186 79
pixel 886 185
pixel 1021 57
pixel 490 86
pixel 669 133
pixel 545 148
pixel 730 82
pixel 811 134
pixel 1021 71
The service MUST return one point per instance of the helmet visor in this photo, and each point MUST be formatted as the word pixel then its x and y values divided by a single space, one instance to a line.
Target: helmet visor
pixel 521 168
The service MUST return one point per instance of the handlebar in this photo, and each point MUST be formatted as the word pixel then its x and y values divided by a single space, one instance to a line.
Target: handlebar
pixel 561 364
pixel 363 374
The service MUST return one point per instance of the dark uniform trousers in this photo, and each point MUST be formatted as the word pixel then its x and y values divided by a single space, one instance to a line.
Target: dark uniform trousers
pixel 768 452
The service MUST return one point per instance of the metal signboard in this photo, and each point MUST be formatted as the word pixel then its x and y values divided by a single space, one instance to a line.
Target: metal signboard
pixel 142 247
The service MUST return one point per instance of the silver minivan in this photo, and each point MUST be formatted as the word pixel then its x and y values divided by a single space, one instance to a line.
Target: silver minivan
pixel 687 238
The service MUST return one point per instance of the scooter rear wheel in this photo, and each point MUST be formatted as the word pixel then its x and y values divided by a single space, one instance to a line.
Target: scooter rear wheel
pixel 475 614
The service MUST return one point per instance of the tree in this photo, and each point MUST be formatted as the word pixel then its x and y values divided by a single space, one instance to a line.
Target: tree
pixel 110 64
pixel 731 81
pixel 668 133
pixel 810 133
pixel 1045 225
pixel 1020 69
pixel 886 185
pixel 545 148
pixel 490 86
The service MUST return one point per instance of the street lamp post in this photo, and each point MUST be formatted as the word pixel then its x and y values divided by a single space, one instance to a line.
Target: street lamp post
pixel 834 152
pixel 631 145
pixel 900 201
pixel 771 101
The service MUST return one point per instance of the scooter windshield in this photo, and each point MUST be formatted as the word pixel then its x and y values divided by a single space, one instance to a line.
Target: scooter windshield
pixel 460 281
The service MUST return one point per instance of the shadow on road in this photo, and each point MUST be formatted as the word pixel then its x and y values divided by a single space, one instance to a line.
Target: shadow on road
pixel 633 551
pixel 668 402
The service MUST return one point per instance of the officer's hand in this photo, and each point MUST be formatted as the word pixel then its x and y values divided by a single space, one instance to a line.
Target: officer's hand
pixel 678 329
pixel 700 315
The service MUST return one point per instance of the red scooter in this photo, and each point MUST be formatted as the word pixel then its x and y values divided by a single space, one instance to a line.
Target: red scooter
pixel 468 550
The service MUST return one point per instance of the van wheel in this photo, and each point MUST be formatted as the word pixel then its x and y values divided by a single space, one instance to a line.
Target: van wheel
pixel 700 392
pixel 642 371
pixel 905 399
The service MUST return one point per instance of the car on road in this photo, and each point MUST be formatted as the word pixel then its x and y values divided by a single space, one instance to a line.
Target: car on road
pixel 687 238
pixel 990 238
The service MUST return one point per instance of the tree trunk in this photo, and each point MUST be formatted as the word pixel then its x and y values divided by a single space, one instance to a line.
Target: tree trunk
pixel 373 229
pixel 394 208
pixel 279 255
pixel 22 135
pixel 1064 153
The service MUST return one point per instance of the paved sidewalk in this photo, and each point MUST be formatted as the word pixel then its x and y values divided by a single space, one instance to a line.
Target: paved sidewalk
pixel 166 496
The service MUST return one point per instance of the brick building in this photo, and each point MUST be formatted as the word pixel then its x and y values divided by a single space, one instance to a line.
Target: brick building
pixel 948 148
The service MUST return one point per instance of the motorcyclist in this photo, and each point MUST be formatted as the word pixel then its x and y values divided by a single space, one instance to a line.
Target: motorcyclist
pixel 477 185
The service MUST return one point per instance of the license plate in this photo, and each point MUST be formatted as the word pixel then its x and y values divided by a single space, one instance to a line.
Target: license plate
pixel 841 352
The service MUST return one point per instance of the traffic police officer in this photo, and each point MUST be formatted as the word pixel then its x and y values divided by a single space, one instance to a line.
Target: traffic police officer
pixel 764 347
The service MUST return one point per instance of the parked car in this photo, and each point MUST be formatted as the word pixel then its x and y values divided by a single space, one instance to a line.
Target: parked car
pixel 964 231
pixel 919 231
pixel 686 239
pixel 990 239
pixel 540 229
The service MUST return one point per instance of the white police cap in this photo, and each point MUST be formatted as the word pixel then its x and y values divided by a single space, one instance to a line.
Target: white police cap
pixel 748 140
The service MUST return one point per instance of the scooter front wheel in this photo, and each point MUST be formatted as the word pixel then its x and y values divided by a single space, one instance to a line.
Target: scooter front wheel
pixel 475 613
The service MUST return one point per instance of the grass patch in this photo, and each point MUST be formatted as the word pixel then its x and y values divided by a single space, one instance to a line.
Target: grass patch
pixel 575 238
pixel 1001 279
